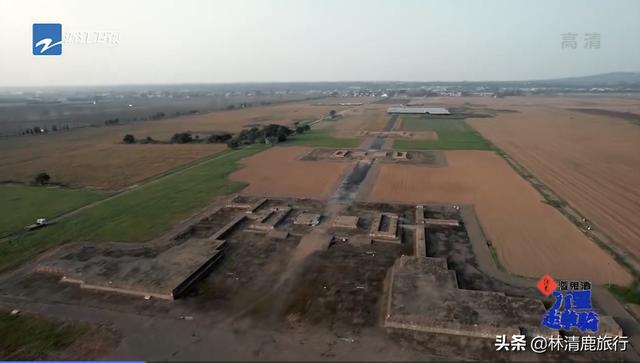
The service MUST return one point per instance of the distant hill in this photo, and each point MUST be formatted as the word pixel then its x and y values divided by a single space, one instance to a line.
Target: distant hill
pixel 629 80
pixel 614 79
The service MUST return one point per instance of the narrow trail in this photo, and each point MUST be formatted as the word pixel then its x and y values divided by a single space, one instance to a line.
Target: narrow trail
pixel 127 190
pixel 602 298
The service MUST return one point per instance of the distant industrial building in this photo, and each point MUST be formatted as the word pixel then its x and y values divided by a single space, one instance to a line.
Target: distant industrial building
pixel 419 110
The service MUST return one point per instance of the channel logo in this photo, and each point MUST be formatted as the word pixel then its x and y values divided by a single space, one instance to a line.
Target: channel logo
pixel 47 39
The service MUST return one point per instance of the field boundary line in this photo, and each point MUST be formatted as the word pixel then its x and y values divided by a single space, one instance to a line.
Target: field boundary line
pixel 121 192
pixel 596 235
pixel 599 237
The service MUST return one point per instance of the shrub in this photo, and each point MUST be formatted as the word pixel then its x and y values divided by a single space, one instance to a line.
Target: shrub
pixel 129 139
pixel 219 138
pixel 233 143
pixel 181 138
pixel 42 178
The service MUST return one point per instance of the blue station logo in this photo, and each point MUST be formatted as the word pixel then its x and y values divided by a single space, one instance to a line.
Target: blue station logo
pixel 572 307
pixel 47 39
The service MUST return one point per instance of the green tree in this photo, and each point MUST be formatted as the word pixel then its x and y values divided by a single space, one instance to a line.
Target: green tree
pixel 271 140
pixel 129 139
pixel 42 178
pixel 219 137
pixel 233 143
pixel 181 138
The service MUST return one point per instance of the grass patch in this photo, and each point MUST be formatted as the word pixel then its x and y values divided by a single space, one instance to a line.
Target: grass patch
pixel 321 138
pixel 559 204
pixel 419 123
pixel 20 205
pixel 494 255
pixel 27 337
pixel 625 294
pixel 453 134
pixel 305 121
pixel 138 215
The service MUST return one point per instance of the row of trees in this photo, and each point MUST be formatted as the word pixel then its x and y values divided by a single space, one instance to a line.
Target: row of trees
pixel 269 134
pixel 130 139
pixel 245 105
pixel 37 130
pixel 158 116
pixel 180 138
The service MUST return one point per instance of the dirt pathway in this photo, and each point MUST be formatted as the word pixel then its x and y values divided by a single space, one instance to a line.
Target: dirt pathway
pixel 602 298
pixel 128 190
pixel 172 338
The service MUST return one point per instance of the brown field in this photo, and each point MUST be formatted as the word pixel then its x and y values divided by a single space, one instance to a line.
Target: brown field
pixel 622 103
pixel 591 161
pixel 531 237
pixel 277 172
pixel 92 158
pixel 236 120
pixel 356 120
pixel 95 157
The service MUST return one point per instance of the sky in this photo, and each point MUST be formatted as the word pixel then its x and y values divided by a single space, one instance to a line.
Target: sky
pixel 198 41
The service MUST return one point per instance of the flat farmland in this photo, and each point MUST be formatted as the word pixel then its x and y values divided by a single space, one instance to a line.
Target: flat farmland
pixel 235 120
pixel 135 215
pixel 92 158
pixel 277 172
pixel 321 137
pixel 356 120
pixel 20 205
pixel 614 101
pixel 417 123
pixel 531 237
pixel 452 134
pixel 96 158
pixel 591 161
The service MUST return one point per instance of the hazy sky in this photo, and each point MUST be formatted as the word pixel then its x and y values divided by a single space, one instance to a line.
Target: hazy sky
pixel 318 40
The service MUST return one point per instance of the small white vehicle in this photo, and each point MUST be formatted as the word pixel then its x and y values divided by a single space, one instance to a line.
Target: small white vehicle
pixel 40 222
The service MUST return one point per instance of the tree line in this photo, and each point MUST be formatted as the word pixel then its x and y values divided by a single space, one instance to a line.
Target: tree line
pixel 268 134
pixel 37 130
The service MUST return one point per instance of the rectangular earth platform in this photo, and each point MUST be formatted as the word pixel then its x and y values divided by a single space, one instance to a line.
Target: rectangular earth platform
pixel 358 154
pixel 420 242
pixel 135 269
pixel 269 219
pixel 347 222
pixel 399 155
pixel 340 154
pixel 384 228
pixel 423 296
pixel 434 158
pixel 249 204
pixel 307 219
pixel 431 222
pixel 224 231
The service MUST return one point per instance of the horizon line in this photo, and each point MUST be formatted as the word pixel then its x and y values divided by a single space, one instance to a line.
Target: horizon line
pixel 303 82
